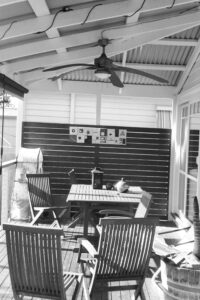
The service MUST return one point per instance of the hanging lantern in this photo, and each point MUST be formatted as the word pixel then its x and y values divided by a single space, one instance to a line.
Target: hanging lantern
pixel 97 178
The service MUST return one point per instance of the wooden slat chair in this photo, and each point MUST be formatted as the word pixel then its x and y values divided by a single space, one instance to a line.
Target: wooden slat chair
pixel 141 211
pixel 35 263
pixel 41 200
pixel 123 252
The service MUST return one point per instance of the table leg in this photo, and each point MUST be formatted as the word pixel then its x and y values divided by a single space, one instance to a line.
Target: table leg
pixel 85 218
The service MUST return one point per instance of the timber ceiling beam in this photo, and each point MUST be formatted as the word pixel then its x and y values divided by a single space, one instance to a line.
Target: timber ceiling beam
pixel 193 58
pixel 155 5
pixel 76 16
pixel 9 2
pixel 160 67
pixel 161 92
pixel 148 6
pixel 69 18
pixel 48 45
pixel 39 75
pixel 176 42
pixel 42 46
pixel 40 8
pixel 128 90
pixel 178 22
pixel 147 33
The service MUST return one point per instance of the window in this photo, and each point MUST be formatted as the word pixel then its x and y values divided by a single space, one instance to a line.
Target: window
pixel 189 153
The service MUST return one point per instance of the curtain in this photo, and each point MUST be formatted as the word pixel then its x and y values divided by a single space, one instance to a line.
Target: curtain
pixel 164 118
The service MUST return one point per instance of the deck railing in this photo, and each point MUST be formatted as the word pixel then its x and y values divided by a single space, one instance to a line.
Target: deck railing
pixel 7 183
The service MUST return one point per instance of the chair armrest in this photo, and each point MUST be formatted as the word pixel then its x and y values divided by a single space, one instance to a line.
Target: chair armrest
pixel 60 207
pixel 35 219
pixel 50 207
pixel 84 243
pixel 99 229
pixel 88 246
pixel 116 212
pixel 38 208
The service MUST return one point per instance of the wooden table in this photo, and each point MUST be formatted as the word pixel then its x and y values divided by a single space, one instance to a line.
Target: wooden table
pixel 86 196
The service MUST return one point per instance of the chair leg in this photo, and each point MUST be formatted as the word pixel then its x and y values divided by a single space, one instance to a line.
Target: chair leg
pixel 17 296
pixel 85 289
pixel 138 290
pixel 79 280
pixel 156 274
pixel 91 285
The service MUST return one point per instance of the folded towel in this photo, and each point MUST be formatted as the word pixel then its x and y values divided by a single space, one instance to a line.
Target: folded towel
pixel 135 189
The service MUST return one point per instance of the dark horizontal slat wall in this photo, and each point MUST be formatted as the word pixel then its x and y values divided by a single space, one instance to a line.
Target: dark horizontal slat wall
pixel 193 148
pixel 144 161
pixel 192 170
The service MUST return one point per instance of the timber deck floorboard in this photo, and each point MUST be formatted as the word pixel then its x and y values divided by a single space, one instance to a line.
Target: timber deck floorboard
pixel 117 291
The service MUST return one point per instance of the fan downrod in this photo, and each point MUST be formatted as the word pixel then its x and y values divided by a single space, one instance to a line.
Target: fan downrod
pixel 103 42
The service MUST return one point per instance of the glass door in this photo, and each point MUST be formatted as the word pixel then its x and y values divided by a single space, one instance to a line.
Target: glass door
pixel 189 156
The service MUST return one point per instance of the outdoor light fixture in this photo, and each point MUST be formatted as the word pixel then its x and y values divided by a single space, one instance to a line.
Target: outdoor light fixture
pixel 102 74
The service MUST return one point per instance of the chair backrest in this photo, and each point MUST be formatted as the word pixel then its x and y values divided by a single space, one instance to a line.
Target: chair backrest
pixel 39 187
pixel 72 176
pixel 35 261
pixel 124 247
pixel 143 207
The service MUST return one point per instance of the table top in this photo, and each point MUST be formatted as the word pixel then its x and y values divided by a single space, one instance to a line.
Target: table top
pixel 85 193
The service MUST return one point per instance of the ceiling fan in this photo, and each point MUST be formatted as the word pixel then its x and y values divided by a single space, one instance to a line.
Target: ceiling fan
pixel 105 68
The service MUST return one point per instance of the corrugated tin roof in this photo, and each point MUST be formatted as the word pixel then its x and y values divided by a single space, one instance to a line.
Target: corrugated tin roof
pixel 156 54
pixel 154 58
pixel 88 75
pixel 151 54
pixel 192 33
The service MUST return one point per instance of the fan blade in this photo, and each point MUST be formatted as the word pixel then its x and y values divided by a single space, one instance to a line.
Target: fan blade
pixel 63 74
pixel 68 66
pixel 115 79
pixel 139 72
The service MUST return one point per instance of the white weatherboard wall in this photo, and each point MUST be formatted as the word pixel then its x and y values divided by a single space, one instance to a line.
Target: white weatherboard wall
pixel 130 111
pixel 85 109
pixel 46 107
pixel 92 109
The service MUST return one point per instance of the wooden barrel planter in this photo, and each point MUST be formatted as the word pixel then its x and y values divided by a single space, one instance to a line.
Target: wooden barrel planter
pixel 180 282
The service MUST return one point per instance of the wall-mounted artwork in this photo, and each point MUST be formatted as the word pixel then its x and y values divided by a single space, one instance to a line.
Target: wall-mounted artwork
pixel 91 135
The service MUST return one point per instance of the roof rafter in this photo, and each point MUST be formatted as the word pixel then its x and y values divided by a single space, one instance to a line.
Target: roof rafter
pixel 188 20
pixel 9 2
pixel 75 17
pixel 148 6
pixel 43 46
pixel 189 67
pixel 131 19
pixel 161 67
pixel 147 33
pixel 36 47
pixel 38 74
pixel 176 42
pixel 40 8
pixel 161 92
